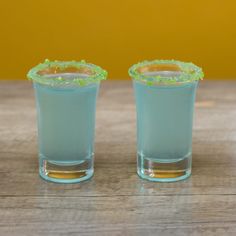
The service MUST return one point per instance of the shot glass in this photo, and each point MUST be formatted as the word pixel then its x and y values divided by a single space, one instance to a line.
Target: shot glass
pixel 165 94
pixel 66 94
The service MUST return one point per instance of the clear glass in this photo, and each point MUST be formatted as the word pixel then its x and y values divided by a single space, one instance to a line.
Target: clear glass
pixel 66 124
pixel 164 126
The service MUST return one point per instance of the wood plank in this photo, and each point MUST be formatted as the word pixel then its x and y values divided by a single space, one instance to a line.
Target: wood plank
pixel 121 214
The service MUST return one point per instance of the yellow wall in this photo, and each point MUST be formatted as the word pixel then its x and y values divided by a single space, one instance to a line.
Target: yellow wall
pixel 117 33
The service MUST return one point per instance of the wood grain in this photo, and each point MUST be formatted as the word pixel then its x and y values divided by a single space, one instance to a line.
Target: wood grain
pixel 116 201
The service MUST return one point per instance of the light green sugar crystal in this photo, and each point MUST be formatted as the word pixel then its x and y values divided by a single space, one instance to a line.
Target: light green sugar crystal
pixel 189 73
pixel 97 73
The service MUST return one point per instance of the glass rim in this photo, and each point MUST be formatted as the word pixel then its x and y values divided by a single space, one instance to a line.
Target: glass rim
pixel 188 72
pixel 43 73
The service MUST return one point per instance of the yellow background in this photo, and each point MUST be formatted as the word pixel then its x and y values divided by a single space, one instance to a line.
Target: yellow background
pixel 117 33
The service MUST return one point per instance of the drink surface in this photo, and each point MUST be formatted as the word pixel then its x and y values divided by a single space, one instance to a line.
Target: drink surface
pixel 66 120
pixel 68 76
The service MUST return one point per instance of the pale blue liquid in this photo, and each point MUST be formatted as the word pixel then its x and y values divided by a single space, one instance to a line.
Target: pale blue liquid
pixel 164 123
pixel 66 122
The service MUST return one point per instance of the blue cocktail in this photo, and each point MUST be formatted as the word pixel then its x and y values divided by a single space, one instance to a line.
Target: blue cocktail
pixel 165 95
pixel 66 95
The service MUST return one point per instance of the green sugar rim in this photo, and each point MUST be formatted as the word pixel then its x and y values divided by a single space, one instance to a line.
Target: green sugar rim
pixel 190 73
pixel 97 75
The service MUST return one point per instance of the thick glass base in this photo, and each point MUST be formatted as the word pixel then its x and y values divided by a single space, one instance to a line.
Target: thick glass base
pixel 61 172
pixel 164 171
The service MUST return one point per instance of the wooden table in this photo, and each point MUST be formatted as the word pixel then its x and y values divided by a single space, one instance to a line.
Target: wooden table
pixel 116 201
